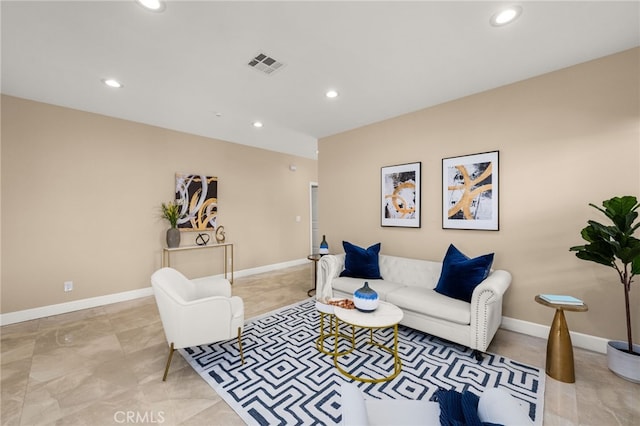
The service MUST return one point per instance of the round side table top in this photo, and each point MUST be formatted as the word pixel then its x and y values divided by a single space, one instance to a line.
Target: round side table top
pixel 563 306
pixel 386 315
pixel 325 308
pixel 314 257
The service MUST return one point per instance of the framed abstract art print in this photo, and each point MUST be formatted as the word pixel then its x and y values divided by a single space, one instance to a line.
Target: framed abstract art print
pixel 400 198
pixel 470 192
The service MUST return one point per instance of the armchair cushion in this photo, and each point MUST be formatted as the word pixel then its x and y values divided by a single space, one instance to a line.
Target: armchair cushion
pixel 354 409
pixel 461 275
pixel 361 263
pixel 360 411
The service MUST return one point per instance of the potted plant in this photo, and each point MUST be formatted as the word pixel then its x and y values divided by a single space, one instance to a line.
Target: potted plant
pixel 171 212
pixel 615 246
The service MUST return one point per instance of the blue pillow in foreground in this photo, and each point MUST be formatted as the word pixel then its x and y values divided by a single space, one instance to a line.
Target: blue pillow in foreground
pixel 461 275
pixel 459 408
pixel 361 263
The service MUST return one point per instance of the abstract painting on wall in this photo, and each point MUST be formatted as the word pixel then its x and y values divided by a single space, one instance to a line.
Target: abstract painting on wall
pixel 470 192
pixel 198 199
pixel 400 198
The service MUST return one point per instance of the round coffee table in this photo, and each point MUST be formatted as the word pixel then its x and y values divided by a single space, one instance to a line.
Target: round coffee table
pixel 385 316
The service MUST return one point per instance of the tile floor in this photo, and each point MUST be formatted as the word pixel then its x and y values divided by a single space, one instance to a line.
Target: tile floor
pixel 104 366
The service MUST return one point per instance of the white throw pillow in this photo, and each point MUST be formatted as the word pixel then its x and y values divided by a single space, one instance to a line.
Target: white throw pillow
pixel 498 406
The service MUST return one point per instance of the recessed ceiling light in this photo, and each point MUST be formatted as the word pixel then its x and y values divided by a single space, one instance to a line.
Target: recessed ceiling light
pixel 112 83
pixel 331 94
pixel 505 16
pixel 153 5
pixel 257 124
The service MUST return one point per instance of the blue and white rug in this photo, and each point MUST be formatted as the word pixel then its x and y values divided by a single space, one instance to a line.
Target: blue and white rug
pixel 286 380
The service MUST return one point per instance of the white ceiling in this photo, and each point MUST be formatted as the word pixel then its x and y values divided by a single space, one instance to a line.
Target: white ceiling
pixel 182 66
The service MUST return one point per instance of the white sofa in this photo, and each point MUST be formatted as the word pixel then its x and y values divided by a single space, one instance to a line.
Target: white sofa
pixel 409 284
pixel 495 406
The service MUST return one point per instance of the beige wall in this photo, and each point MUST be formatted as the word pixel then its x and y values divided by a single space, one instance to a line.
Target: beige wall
pixel 565 139
pixel 81 195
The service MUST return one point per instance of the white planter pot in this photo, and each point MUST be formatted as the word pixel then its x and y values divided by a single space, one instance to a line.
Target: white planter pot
pixel 623 364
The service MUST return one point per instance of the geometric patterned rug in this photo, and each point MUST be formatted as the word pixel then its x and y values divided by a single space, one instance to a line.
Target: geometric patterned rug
pixel 285 380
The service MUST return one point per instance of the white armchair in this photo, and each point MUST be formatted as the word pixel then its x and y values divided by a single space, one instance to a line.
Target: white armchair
pixel 196 312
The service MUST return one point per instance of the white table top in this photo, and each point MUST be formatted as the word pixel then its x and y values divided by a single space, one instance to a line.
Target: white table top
pixel 324 307
pixel 386 315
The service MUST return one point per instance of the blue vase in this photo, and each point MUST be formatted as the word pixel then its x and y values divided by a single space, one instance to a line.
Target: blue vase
pixel 324 246
pixel 365 298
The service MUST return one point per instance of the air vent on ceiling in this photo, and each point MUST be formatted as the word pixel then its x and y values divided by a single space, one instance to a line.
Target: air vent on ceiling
pixel 265 63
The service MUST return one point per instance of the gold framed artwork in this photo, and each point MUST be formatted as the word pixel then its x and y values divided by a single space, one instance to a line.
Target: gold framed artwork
pixel 400 198
pixel 197 196
pixel 470 192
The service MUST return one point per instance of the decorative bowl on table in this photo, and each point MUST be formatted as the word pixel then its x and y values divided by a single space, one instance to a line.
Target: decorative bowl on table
pixel 365 298
pixel 342 303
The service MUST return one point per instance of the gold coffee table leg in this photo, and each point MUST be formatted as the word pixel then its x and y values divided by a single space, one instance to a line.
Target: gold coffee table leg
pixel 333 330
pixel 560 350
pixel 397 363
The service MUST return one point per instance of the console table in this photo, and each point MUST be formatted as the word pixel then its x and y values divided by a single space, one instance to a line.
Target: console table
pixel 227 249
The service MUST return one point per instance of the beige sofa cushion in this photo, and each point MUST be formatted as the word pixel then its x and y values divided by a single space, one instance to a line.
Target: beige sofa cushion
pixel 428 302
pixel 350 285
pixel 410 272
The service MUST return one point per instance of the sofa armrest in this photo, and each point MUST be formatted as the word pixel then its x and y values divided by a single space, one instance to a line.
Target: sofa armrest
pixel 486 308
pixel 329 267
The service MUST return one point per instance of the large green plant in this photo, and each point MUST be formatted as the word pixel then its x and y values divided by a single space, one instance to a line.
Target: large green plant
pixel 614 245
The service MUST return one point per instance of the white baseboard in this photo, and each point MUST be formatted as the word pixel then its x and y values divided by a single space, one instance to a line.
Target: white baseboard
pixel 579 340
pixel 269 268
pixel 584 341
pixel 77 305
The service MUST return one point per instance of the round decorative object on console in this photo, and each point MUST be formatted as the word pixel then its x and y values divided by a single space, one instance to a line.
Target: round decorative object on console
pixel 202 239
pixel 365 298
pixel 220 236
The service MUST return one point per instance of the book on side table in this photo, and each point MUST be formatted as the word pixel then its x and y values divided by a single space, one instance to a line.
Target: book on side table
pixel 561 299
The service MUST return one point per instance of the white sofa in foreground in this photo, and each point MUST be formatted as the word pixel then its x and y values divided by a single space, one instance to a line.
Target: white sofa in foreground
pixel 495 406
pixel 409 284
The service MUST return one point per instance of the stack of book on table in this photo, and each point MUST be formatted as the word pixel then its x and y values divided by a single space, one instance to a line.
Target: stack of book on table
pixel 561 299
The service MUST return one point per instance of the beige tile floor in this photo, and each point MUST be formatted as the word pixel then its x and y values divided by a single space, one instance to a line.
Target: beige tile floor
pixel 100 365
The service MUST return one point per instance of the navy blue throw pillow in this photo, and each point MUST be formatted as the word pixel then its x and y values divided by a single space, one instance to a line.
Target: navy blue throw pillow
pixel 361 263
pixel 461 275
pixel 459 408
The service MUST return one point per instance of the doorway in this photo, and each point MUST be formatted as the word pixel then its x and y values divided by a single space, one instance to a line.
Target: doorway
pixel 315 226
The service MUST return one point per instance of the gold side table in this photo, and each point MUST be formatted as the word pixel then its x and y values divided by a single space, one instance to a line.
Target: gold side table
pixel 314 258
pixel 559 363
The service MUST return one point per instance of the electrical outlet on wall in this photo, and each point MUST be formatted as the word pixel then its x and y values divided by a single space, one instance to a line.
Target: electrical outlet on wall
pixel 68 286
